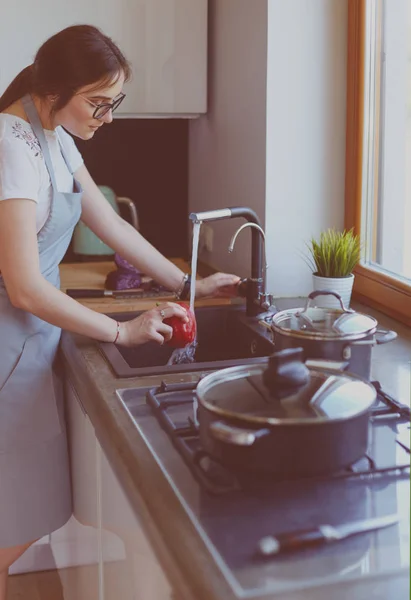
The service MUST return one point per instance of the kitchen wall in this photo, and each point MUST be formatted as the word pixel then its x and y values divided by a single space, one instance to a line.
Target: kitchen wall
pixel 227 148
pixel 274 137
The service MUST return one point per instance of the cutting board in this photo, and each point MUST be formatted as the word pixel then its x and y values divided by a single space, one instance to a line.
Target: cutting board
pixel 92 275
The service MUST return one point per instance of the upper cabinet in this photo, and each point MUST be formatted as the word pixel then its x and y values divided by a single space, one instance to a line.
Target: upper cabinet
pixel 164 40
pixel 166 43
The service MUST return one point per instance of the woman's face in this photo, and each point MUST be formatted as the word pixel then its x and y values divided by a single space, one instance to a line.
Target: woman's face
pixel 77 115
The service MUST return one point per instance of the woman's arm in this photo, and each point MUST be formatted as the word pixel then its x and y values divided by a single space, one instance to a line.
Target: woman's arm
pixel 119 235
pixel 30 291
pixel 122 237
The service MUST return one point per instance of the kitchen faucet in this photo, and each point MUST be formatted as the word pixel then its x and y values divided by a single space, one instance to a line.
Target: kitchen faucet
pixel 261 299
pixel 253 288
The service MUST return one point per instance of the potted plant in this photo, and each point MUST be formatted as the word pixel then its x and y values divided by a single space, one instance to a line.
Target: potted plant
pixel 332 260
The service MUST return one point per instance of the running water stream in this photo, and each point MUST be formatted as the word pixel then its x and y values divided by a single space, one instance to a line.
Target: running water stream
pixel 186 355
pixel 196 237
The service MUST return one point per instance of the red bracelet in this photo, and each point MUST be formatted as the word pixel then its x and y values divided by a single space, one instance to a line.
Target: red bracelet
pixel 118 332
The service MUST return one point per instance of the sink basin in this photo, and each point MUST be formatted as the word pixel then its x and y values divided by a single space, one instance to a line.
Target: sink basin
pixel 225 337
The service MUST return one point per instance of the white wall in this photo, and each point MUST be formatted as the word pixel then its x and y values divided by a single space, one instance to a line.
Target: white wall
pixel 306 100
pixel 274 137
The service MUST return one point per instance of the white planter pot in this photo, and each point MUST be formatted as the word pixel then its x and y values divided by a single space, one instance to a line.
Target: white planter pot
pixel 340 285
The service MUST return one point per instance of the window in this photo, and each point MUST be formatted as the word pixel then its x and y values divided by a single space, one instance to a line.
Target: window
pixel 378 177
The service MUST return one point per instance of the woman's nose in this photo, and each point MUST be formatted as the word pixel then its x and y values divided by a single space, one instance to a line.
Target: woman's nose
pixel 108 117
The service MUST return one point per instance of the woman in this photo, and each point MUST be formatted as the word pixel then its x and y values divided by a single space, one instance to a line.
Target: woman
pixel 75 82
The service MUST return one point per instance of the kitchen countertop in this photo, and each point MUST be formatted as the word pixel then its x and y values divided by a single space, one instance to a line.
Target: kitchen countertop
pixel 92 275
pixel 183 553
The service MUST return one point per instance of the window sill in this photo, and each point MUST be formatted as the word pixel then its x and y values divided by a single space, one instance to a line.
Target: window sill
pixel 384 293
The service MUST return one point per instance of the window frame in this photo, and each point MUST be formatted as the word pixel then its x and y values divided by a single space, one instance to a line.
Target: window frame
pixel 371 287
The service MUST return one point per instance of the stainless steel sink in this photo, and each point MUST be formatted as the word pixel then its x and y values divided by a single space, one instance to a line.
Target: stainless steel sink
pixel 225 336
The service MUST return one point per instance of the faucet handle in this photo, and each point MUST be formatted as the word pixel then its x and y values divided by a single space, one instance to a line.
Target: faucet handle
pixel 242 287
pixel 249 287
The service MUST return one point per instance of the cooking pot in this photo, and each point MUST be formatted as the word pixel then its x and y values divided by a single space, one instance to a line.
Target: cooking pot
pixel 283 418
pixel 333 338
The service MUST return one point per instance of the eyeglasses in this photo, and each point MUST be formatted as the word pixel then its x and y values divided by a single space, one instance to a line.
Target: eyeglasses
pixel 102 109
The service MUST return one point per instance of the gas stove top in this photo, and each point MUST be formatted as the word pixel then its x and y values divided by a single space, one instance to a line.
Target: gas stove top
pixel 175 406
pixel 232 512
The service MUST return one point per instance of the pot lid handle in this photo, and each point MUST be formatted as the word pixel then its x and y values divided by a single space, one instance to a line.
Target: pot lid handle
pixel 286 372
pixel 314 295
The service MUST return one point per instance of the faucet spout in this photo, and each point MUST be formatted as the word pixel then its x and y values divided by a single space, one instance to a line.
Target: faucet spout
pixel 261 231
pixel 233 239
pixel 264 299
pixel 225 213
pixel 211 215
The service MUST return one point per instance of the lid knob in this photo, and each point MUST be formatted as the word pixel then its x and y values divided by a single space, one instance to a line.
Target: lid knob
pixel 286 372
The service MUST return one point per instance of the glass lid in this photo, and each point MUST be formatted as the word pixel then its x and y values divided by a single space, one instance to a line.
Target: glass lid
pixel 324 322
pixel 243 392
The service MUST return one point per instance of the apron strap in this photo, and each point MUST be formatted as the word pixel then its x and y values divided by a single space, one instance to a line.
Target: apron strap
pixel 39 132
pixel 63 152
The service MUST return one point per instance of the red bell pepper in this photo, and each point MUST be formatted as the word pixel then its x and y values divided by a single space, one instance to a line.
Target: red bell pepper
pixel 183 333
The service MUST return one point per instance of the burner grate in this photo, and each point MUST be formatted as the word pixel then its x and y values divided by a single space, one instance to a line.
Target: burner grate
pixel 218 479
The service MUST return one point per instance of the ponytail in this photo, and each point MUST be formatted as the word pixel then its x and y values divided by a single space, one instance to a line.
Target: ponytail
pixel 19 87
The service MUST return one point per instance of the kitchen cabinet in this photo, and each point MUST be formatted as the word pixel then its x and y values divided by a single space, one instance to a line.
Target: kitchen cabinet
pixel 164 40
pixel 138 574
pixel 83 460
pixel 78 583
pixel 121 563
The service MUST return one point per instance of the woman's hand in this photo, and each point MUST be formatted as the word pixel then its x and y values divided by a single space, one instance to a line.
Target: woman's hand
pixel 218 285
pixel 149 326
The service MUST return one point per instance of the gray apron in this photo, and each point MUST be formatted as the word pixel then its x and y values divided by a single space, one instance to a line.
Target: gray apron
pixel 35 493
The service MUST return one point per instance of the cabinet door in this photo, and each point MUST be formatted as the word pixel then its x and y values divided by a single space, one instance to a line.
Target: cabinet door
pixel 83 460
pixel 138 574
pixel 164 40
pixel 166 43
pixel 80 538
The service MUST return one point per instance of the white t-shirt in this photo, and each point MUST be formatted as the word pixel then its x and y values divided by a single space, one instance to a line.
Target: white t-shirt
pixel 23 171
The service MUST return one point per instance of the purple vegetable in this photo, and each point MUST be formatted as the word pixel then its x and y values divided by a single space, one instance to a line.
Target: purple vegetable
pixel 121 280
pixel 127 277
pixel 124 265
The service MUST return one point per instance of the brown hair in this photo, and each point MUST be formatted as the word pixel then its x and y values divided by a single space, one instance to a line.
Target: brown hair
pixel 71 59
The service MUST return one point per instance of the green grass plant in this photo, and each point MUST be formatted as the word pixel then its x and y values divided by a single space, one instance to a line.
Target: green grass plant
pixel 335 253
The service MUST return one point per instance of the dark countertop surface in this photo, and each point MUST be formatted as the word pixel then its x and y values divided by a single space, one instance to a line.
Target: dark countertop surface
pixel 183 553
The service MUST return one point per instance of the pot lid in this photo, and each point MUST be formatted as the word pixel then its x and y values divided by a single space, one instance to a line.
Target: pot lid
pixel 273 392
pixel 315 322
pixel 324 322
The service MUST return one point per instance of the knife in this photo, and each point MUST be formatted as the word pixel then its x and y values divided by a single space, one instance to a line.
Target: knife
pixel 130 293
pixel 323 534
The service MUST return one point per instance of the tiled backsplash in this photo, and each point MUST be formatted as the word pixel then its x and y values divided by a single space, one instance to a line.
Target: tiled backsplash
pixel 146 160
